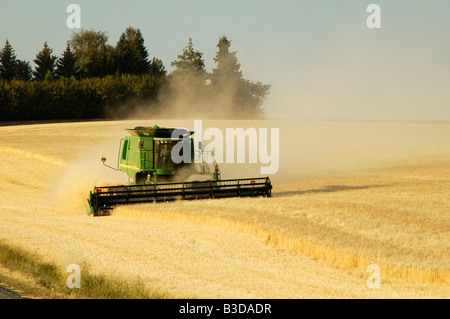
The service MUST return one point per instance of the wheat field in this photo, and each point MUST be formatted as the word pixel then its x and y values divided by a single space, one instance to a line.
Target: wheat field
pixel 348 194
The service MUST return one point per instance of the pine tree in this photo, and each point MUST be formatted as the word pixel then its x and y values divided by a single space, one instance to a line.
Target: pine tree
pixel 157 68
pixel 227 63
pixel 106 60
pixel 131 56
pixel 244 97
pixel 190 61
pixel 7 62
pixel 65 65
pixel 186 86
pixel 23 71
pixel 45 62
pixel 101 62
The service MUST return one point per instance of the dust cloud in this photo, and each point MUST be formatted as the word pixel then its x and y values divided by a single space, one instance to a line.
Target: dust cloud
pixel 306 149
pixel 333 119
pixel 191 95
pixel 311 149
pixel 85 170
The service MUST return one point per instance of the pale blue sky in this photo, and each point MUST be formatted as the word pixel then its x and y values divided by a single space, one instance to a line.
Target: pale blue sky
pixel 319 56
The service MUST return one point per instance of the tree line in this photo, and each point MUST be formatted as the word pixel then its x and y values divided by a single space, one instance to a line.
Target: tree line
pixel 92 80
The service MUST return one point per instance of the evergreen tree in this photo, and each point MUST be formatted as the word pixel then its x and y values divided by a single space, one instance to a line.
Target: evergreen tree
pixel 45 62
pixel 107 60
pixel 190 61
pixel 130 53
pixel 228 66
pixel 157 68
pixel 243 96
pixel 101 63
pixel 23 71
pixel 65 65
pixel 7 62
pixel 186 85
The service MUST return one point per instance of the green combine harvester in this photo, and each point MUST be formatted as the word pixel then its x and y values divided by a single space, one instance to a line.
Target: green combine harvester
pixel 146 157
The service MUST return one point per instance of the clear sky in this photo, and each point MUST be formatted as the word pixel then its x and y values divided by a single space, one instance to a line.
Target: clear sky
pixel 320 58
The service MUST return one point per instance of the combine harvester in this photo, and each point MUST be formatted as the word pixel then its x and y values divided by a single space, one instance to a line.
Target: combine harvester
pixel 146 158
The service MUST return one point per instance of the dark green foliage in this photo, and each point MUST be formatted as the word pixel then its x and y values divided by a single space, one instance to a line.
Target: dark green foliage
pixel 66 64
pixel 94 80
pixel 223 93
pixel 157 68
pixel 23 71
pixel 190 61
pixel 94 55
pixel 11 68
pixel 131 56
pixel 7 62
pixel 101 63
pixel 45 63
pixel 69 98
pixel 187 84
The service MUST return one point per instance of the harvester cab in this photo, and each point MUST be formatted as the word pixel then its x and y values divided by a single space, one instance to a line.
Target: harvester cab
pixel 147 157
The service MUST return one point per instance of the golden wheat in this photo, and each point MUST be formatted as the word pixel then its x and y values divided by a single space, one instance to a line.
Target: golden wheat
pixel 44 158
pixel 342 201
